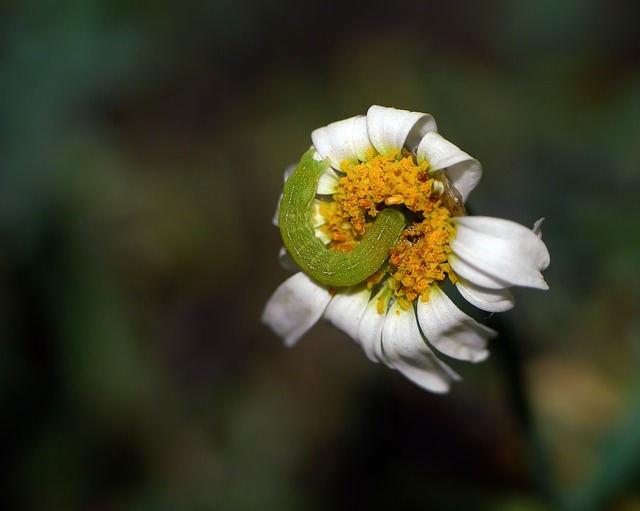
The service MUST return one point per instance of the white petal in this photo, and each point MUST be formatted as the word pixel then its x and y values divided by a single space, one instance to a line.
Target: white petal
pixel 322 235
pixel 501 249
pixel 450 330
pixel 345 310
pixel 405 350
pixel 328 182
pixel 361 142
pixel 335 141
pixel 463 170
pixel 390 128
pixel 295 307
pixel 537 227
pixel 369 334
pixel 473 274
pixel 491 300
pixel 317 218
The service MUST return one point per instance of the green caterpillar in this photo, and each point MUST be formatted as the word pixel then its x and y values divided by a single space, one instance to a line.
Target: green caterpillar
pixel 310 253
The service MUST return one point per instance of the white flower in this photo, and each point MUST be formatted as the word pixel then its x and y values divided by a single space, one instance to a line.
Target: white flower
pixel 403 317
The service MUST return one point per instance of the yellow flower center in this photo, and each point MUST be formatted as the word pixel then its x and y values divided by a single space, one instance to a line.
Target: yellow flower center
pixel 419 259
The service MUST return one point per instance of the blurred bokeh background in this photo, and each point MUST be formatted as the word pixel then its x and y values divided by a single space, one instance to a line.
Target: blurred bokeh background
pixel 142 146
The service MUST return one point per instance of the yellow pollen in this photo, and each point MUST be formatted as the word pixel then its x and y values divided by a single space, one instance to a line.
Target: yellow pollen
pixel 419 259
pixel 394 199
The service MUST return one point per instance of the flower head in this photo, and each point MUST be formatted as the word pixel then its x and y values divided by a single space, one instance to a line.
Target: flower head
pixel 391 170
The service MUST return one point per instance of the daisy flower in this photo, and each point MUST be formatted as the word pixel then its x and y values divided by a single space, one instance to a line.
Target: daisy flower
pixel 400 314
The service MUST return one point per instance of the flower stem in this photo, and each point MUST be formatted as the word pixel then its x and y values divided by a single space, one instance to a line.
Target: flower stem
pixel 509 344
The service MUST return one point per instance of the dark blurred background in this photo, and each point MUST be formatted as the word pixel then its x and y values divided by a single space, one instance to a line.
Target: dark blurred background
pixel 142 146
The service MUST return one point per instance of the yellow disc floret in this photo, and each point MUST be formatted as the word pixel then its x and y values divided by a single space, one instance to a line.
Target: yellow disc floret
pixel 419 259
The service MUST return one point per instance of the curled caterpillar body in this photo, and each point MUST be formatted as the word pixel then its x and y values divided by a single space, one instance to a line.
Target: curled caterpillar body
pixel 310 253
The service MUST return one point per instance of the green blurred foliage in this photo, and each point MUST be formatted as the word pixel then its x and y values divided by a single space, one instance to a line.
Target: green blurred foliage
pixel 142 150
